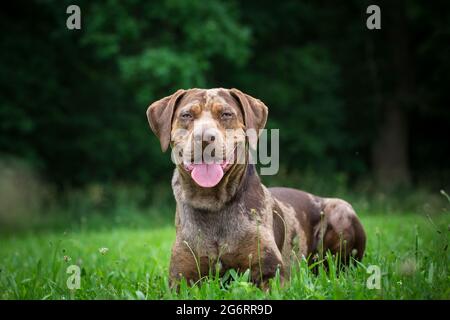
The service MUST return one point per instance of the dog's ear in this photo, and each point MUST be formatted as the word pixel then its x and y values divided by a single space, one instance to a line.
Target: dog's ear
pixel 255 113
pixel 159 115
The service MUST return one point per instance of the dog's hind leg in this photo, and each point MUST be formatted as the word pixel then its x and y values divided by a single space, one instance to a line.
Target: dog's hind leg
pixel 340 231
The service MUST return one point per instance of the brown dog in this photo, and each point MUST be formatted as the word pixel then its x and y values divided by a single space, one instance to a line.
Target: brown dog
pixel 225 217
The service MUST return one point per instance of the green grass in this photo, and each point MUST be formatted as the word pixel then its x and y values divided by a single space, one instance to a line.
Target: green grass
pixel 410 249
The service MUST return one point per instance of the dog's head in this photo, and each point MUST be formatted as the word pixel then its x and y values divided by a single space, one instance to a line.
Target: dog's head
pixel 207 130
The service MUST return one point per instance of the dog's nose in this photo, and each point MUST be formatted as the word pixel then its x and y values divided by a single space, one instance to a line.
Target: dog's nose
pixel 206 136
pixel 209 135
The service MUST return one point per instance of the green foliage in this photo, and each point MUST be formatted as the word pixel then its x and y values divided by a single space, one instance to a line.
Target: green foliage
pixel 305 105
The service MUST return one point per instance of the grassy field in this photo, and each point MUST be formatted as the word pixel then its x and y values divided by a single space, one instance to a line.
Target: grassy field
pixel 132 263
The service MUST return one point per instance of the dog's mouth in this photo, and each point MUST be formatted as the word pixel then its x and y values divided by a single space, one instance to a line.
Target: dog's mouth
pixel 209 174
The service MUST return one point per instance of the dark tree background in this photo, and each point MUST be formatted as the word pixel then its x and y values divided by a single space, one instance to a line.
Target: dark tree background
pixel 369 103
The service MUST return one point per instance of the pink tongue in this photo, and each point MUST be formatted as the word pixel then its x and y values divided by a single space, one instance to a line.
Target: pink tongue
pixel 207 175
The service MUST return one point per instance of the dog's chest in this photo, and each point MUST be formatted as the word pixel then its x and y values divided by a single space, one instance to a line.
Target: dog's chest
pixel 214 234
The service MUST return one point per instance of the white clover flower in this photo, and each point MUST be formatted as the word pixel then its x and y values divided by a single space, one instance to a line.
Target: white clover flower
pixel 103 251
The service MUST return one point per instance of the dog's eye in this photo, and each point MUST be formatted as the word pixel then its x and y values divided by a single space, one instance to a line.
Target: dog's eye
pixel 186 116
pixel 226 115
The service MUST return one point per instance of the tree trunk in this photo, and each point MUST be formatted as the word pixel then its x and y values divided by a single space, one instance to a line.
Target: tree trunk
pixel 390 150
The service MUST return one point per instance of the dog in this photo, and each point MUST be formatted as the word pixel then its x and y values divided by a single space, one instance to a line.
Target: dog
pixel 225 217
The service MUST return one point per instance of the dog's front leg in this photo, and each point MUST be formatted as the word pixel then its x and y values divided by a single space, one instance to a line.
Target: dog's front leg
pixel 184 264
pixel 266 261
